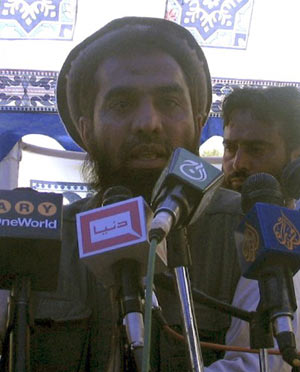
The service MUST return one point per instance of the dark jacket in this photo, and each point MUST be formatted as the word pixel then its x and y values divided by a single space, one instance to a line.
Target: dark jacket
pixel 74 326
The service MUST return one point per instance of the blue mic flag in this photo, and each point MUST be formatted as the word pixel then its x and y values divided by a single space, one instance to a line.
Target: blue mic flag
pixel 268 235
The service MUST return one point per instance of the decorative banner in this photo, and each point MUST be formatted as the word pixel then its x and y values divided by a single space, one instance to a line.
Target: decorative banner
pixel 213 23
pixel 22 90
pixel 37 19
pixel 71 191
pixel 28 106
pixel 222 87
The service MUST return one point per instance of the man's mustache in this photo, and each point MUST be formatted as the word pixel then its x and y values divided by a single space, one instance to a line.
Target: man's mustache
pixel 239 174
pixel 145 140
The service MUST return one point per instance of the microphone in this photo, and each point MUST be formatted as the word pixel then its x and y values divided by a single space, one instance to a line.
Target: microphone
pixel 182 192
pixel 113 243
pixel 117 230
pixel 30 244
pixel 128 278
pixel 260 187
pixel 290 179
pixel 268 243
pixel 30 237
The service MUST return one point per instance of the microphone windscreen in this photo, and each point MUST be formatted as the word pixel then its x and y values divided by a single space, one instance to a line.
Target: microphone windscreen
pixel 290 179
pixel 260 188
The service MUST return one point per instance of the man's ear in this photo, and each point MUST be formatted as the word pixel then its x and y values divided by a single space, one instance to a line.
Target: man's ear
pixel 85 129
pixel 200 121
pixel 295 153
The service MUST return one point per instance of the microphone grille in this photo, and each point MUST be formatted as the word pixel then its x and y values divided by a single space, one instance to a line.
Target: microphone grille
pixel 263 188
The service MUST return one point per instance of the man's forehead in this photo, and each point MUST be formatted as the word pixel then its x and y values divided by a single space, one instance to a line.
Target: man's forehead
pixel 132 90
pixel 137 61
pixel 248 117
pixel 244 123
pixel 130 72
pixel 131 58
pixel 246 137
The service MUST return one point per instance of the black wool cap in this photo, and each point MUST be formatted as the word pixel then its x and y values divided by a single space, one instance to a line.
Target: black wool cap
pixel 76 79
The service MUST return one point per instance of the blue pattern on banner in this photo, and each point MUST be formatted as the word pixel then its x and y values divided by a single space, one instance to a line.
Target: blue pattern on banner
pixel 34 90
pixel 37 19
pixel 28 106
pixel 71 191
pixel 214 23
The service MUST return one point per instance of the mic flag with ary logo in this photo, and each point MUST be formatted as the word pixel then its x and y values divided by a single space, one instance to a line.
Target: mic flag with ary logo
pixel 30 237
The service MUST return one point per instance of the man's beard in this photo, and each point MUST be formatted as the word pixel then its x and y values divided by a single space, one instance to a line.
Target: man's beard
pixel 243 174
pixel 227 183
pixel 101 174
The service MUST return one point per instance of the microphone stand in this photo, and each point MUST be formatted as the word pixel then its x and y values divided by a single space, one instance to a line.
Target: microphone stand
pixel 263 360
pixel 261 335
pixel 128 279
pixel 178 260
pixel 279 302
pixel 19 325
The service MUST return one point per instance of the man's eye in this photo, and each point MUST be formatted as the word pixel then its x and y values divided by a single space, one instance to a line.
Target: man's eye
pixel 119 106
pixel 169 102
pixel 256 150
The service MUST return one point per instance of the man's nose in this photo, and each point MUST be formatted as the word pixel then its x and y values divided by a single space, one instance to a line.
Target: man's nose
pixel 147 117
pixel 241 160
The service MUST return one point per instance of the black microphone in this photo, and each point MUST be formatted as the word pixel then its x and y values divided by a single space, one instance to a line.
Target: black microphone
pixel 290 179
pixel 113 243
pixel 260 187
pixel 268 242
pixel 129 280
pixel 182 192
pixel 30 237
pixel 30 245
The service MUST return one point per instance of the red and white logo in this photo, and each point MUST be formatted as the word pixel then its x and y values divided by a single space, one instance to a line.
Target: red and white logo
pixel 111 227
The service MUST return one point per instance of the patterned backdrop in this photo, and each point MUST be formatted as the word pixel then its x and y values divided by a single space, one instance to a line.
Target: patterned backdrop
pixel 71 191
pixel 34 91
pixel 214 23
pixel 28 106
pixel 27 97
pixel 37 19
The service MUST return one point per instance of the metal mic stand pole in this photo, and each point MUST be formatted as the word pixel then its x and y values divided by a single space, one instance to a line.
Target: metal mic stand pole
pixel 128 278
pixel 18 322
pixel 178 260
pixel 261 337
pixel 263 360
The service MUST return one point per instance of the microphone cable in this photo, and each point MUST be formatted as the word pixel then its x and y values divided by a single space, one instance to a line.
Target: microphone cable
pixel 209 345
pixel 148 305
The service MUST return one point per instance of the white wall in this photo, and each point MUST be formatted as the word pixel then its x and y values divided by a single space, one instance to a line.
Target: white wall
pixel 42 165
pixel 9 169
pixel 92 14
pixel 272 51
